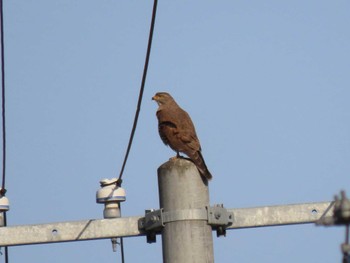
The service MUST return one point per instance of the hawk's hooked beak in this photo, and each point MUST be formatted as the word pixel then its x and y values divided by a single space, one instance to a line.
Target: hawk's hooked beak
pixel 156 99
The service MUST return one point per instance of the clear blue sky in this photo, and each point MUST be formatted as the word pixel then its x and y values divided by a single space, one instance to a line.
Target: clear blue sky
pixel 267 84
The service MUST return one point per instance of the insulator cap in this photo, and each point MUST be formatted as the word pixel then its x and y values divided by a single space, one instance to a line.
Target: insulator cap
pixel 110 192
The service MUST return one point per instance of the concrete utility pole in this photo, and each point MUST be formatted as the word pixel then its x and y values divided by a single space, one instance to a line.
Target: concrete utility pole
pixel 181 188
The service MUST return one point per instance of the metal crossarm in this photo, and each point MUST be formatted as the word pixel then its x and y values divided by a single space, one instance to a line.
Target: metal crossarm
pixel 69 231
pixel 278 215
pixel 129 226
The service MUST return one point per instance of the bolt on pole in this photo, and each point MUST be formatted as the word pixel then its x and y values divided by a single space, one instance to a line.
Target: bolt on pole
pixel 181 187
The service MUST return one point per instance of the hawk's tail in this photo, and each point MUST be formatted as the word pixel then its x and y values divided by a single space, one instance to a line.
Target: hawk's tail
pixel 198 160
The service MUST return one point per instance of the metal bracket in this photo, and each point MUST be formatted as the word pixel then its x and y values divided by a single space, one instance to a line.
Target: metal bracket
pixel 345 248
pixel 217 217
pixel 341 212
pixel 154 220
pixel 152 223
pixel 340 216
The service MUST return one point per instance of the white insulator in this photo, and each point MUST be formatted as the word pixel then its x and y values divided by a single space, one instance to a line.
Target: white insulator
pixel 110 195
pixel 4 204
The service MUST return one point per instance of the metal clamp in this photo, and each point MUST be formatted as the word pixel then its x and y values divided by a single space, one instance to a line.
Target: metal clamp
pixel 341 212
pixel 217 217
pixel 152 223
pixel 340 216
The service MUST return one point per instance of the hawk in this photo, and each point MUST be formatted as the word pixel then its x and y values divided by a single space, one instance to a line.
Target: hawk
pixel 177 130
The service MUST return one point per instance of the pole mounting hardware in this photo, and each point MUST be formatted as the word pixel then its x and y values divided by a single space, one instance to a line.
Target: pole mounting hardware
pixel 218 217
pixel 341 212
pixel 340 216
pixel 152 223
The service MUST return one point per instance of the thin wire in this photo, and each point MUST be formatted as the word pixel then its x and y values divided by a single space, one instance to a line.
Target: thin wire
pixel 3 190
pixel 141 90
pixel 3 98
pixel 121 240
pixel 6 248
pixel 122 249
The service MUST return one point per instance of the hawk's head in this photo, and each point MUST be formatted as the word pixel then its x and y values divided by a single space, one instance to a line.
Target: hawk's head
pixel 162 98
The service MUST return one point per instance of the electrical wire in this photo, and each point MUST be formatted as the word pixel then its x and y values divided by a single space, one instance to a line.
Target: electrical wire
pixel 141 90
pixel 138 108
pixel 122 250
pixel 121 241
pixel 3 99
pixel 3 189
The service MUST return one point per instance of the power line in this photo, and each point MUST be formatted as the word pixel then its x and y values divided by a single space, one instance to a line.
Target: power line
pixel 3 99
pixel 141 90
pixel 122 256
pixel 3 189
pixel 138 108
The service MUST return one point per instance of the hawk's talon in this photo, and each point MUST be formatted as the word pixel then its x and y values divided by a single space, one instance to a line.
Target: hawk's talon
pixel 178 156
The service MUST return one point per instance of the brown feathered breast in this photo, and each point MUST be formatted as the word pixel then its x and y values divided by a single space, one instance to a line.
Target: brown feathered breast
pixel 176 129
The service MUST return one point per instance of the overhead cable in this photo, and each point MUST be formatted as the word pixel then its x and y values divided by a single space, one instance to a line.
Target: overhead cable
pixel 144 75
pixel 3 189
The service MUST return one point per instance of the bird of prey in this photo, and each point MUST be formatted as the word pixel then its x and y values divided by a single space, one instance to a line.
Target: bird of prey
pixel 177 130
